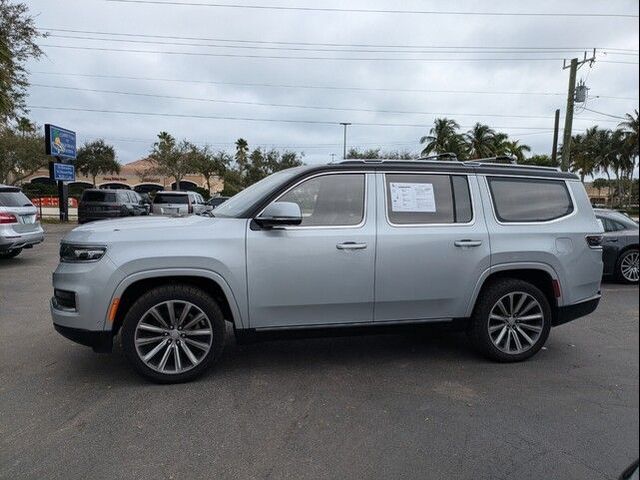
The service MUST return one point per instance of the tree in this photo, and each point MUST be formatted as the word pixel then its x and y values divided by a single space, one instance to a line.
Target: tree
pixel 18 37
pixel 443 137
pixel 21 153
pixel 210 165
pixel 515 149
pixel 480 141
pixel 376 153
pixel 242 154
pixel 599 184
pixel 97 158
pixel 171 159
pixel 539 160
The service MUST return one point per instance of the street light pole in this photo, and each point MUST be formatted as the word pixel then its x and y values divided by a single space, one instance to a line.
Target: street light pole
pixel 344 144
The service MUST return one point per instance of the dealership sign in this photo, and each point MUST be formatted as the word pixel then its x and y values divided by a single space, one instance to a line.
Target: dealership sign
pixel 64 172
pixel 60 142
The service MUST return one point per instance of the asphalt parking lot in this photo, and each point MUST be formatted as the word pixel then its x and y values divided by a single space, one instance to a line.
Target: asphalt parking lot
pixel 391 406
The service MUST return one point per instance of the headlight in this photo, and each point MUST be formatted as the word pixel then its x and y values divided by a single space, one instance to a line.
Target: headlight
pixel 80 253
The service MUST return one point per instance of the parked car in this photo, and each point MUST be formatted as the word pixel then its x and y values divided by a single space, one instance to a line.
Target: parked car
pixel 509 251
pixel 179 203
pixel 99 204
pixel 146 201
pixel 216 201
pixel 19 222
pixel 619 245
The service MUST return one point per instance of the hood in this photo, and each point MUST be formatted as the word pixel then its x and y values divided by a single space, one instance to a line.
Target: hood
pixel 142 228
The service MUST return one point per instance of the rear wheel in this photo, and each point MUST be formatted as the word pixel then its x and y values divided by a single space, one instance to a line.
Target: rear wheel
pixel 173 334
pixel 627 267
pixel 10 253
pixel 511 322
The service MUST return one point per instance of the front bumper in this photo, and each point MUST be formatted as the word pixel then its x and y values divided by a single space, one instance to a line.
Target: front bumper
pixel 100 341
pixel 11 240
pixel 572 312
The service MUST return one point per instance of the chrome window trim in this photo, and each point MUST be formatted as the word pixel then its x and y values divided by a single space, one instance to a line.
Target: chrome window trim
pixel 536 222
pixel 414 225
pixel 326 227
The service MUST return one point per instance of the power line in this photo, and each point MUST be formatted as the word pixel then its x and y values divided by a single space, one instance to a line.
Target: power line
pixel 316 87
pixel 363 10
pixel 330 44
pixel 605 114
pixel 284 105
pixel 451 50
pixel 290 57
pixel 254 119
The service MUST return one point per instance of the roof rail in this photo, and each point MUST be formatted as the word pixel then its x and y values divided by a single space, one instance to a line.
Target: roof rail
pixel 439 156
pixel 482 162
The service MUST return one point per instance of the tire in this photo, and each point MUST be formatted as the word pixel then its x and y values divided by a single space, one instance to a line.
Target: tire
pixel 488 316
pixel 143 331
pixel 627 267
pixel 10 254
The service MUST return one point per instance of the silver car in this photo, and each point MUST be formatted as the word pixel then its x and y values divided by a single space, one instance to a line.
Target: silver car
pixel 507 251
pixel 179 203
pixel 19 224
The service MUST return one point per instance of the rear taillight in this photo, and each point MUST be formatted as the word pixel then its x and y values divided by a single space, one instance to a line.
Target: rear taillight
pixel 6 218
pixel 594 241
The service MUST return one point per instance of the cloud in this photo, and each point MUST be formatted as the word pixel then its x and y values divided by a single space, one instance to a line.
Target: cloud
pixel 133 135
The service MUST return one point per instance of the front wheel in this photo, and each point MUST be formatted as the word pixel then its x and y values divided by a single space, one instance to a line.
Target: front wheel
pixel 627 267
pixel 172 334
pixel 10 253
pixel 511 321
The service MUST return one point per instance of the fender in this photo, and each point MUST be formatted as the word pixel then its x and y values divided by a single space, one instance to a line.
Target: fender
pixel 505 267
pixel 180 272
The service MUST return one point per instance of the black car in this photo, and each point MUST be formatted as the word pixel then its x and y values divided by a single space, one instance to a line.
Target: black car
pixel 215 201
pixel 103 204
pixel 619 245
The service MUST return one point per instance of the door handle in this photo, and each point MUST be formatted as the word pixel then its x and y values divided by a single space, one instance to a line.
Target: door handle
pixel 467 243
pixel 351 246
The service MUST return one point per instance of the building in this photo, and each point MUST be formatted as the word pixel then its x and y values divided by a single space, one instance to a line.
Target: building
pixel 600 197
pixel 135 176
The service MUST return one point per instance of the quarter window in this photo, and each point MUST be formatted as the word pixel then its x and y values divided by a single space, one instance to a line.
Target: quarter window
pixel 529 200
pixel 428 199
pixel 329 200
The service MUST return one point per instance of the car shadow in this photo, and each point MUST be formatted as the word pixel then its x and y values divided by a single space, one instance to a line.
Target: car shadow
pixel 277 357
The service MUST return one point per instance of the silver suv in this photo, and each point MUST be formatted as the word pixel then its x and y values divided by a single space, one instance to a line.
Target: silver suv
pixel 179 203
pixel 19 224
pixel 507 251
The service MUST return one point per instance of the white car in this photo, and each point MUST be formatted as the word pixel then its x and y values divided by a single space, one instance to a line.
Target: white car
pixel 19 224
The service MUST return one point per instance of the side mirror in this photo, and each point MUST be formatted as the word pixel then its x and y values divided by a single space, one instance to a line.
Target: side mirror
pixel 280 214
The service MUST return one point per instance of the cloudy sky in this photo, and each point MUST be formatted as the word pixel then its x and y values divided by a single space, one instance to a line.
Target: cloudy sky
pixel 389 72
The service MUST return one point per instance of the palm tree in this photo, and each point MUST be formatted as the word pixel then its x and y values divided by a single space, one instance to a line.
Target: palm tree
pixel 582 161
pixel 500 144
pixel 516 150
pixel 630 127
pixel 242 154
pixel 480 141
pixel 441 137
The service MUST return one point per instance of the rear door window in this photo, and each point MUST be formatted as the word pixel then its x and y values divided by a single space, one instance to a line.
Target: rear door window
pixel 423 199
pixel 529 200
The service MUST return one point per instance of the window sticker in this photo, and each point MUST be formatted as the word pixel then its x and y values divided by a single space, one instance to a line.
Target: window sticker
pixel 412 197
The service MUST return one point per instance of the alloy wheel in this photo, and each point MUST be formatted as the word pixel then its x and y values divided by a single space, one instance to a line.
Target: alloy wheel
pixel 173 337
pixel 516 322
pixel 629 267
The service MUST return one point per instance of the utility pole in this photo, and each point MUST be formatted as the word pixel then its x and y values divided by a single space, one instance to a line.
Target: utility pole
pixel 344 144
pixel 554 148
pixel 568 118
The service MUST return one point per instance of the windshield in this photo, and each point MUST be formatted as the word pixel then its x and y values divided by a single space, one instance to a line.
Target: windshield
pixel 241 201
pixel 171 198
pixel 98 196
pixel 14 198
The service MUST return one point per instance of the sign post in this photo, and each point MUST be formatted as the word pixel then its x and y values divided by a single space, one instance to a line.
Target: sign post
pixel 61 144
